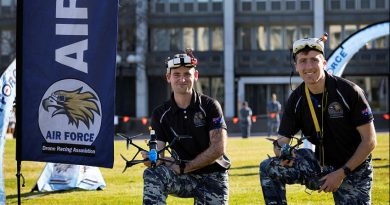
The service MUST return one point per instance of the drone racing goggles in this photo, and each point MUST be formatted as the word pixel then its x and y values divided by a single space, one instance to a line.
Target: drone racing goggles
pixel 181 60
pixel 310 44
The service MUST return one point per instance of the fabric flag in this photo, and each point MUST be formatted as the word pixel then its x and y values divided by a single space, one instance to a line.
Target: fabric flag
pixel 68 82
pixel 7 96
pixel 56 176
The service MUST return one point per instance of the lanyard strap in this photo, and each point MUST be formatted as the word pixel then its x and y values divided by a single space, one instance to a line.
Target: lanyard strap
pixel 313 114
pixel 316 124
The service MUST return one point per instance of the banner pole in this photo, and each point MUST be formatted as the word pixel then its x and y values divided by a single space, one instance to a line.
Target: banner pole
pixel 18 174
pixel 18 99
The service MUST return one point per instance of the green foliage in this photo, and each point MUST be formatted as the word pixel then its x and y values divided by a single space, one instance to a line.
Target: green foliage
pixel 127 187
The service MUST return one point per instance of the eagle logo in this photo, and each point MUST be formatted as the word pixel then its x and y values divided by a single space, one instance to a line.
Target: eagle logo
pixel 335 110
pixel 76 105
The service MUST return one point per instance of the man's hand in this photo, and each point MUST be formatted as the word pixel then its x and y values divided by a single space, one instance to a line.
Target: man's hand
pixel 332 181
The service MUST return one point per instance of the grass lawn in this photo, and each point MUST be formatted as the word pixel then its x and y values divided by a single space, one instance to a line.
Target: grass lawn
pixel 126 188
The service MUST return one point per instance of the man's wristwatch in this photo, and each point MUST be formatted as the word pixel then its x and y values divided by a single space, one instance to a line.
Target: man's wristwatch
pixel 347 170
pixel 182 166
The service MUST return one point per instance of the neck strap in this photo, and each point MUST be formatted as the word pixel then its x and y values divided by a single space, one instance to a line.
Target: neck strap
pixel 320 133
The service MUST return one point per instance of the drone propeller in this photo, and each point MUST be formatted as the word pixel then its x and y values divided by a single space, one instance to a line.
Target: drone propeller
pixel 128 139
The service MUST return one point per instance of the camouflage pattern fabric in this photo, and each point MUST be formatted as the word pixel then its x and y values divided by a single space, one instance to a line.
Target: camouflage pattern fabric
pixel 211 188
pixel 355 189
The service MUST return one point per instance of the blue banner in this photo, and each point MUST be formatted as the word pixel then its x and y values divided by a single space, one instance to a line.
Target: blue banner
pixel 68 81
pixel 7 98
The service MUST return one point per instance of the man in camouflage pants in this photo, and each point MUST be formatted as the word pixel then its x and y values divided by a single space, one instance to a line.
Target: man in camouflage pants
pixel 334 115
pixel 306 170
pixel 199 169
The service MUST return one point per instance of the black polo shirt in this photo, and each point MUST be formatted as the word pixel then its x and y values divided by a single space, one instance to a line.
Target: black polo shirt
pixel 202 115
pixel 346 108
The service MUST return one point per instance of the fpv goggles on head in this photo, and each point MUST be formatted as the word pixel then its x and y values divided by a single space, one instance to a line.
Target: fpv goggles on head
pixel 187 60
pixel 310 43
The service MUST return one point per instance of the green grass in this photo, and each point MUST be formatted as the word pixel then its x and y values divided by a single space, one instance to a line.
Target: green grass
pixel 126 188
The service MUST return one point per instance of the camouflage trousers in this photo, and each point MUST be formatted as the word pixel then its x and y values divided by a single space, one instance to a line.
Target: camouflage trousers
pixel 211 188
pixel 355 189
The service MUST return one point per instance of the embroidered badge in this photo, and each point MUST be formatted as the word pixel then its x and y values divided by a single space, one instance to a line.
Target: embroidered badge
pixel 335 110
pixel 199 119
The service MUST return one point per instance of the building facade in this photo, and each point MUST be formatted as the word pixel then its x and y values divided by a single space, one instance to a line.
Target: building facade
pixel 242 46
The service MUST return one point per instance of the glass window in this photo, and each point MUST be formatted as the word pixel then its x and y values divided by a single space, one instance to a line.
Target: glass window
pixel 350 4
pixel 188 7
pixel 175 40
pixel 6 2
pixel 380 4
pixel 203 39
pixel 261 6
pixel 291 36
pixel 365 4
pixel 290 5
pixel 381 42
pixel 305 32
pixel 7 42
pixel 188 38
pixel 246 38
pixel 246 6
pixel 276 38
pixel 211 86
pixel 217 39
pixel 305 5
pixel 334 36
pixel 335 4
pixel 202 6
pixel 261 38
pixel 349 30
pixel 276 5
pixel 160 7
pixel 217 6
pixel 174 7
pixel 160 40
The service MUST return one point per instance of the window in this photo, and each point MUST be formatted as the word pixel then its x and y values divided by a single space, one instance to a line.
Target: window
pixel 305 32
pixel 203 39
pixel 174 7
pixel 290 5
pixel 380 4
pixel 350 4
pixel 276 5
pixel 365 4
pixel 203 5
pixel 188 7
pixel 261 38
pixel 349 30
pixel 7 42
pixel 245 38
pixel 175 40
pixel 217 39
pixel 160 7
pixel 188 38
pixel 276 38
pixel 305 5
pixel 381 42
pixel 335 5
pixel 211 86
pixel 261 5
pixel 334 36
pixel 246 6
pixel 217 5
pixel 291 36
pixel 160 40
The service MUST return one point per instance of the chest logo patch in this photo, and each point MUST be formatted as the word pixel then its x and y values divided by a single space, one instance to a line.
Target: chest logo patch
pixel 199 119
pixel 335 110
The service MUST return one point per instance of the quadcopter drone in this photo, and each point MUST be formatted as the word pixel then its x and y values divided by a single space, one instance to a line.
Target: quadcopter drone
pixel 153 153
